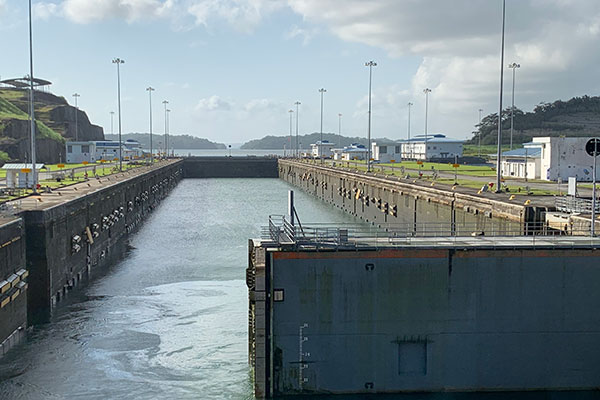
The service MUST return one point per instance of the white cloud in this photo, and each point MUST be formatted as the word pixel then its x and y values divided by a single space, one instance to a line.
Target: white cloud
pixel 214 103
pixel 306 34
pixel 256 105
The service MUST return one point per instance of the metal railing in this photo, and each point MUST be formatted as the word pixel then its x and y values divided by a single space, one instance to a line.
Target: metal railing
pixel 282 232
pixel 572 204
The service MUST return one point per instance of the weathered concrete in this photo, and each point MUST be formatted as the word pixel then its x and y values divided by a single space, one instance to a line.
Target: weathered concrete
pixel 13 282
pixel 381 199
pixel 504 316
pixel 230 167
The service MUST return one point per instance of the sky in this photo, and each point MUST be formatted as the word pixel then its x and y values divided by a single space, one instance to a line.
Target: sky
pixel 232 69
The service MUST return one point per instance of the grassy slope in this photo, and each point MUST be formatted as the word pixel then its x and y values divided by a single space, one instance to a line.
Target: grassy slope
pixel 10 111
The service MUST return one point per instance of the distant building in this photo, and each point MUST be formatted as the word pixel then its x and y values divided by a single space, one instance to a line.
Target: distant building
pixel 522 163
pixel 20 175
pixel 355 152
pixel 93 151
pixel 386 152
pixel 435 146
pixel 324 147
pixel 559 158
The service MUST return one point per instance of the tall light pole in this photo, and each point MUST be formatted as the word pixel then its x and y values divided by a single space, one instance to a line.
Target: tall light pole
pixel 499 151
pixel 112 130
pixel 409 106
pixel 31 104
pixel 514 67
pixel 291 112
pixel 118 61
pixel 150 89
pixel 369 64
pixel 479 134
pixel 297 115
pixel 168 131
pixel 340 127
pixel 321 141
pixel 165 102
pixel 426 91
pixel 76 95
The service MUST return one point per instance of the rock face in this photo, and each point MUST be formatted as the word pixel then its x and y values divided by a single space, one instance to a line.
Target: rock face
pixel 56 124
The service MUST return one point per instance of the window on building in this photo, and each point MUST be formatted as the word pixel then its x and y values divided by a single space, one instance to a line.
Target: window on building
pixel 382 149
pixel 397 150
pixel 69 149
pixel 85 148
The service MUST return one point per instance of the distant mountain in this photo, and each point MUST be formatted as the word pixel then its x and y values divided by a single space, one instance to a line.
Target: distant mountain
pixel 277 142
pixel 579 116
pixel 183 142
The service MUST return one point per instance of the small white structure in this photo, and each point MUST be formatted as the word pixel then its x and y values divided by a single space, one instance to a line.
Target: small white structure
pixel 564 157
pixel 522 163
pixel 355 152
pixel 92 151
pixel 337 154
pixel 559 158
pixel 324 147
pixel 435 146
pixel 20 175
pixel 386 152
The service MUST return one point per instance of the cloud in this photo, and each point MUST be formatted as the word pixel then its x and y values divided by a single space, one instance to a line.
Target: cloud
pixel 257 105
pixel 214 103
pixel 306 34
pixel 555 41
pixel 243 15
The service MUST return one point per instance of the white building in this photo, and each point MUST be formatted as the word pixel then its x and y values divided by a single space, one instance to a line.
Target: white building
pixel 355 152
pixel 559 158
pixel 386 152
pixel 523 163
pixel 325 147
pixel 20 175
pixel 435 146
pixel 92 151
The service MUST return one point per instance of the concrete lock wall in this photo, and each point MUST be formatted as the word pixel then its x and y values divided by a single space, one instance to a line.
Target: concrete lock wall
pixel 431 320
pixel 379 200
pixel 13 283
pixel 59 250
pixel 230 167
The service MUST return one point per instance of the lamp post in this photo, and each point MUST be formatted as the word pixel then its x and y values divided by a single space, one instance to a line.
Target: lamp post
pixel 112 115
pixel 479 134
pixel 168 132
pixel 291 112
pixel 118 61
pixel 297 115
pixel 426 91
pixel 165 102
pixel 31 104
pixel 340 127
pixel 514 67
pixel 76 95
pixel 409 106
pixel 321 141
pixel 369 64
pixel 150 89
pixel 499 151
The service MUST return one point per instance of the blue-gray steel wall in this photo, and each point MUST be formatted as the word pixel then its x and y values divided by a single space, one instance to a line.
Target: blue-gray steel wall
pixel 431 320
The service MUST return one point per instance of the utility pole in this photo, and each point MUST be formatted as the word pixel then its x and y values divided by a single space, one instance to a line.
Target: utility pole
pixel 31 104
pixel 499 151
pixel 150 89
pixel 479 134
pixel 118 61
pixel 165 102
pixel 426 91
pixel 297 116
pixel 369 64
pixel 76 95
pixel 321 141
pixel 514 67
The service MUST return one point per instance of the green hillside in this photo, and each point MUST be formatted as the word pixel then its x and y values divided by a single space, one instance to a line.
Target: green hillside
pixel 579 116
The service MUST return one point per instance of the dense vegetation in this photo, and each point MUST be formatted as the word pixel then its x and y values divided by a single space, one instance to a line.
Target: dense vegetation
pixel 175 141
pixel 579 116
pixel 277 142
